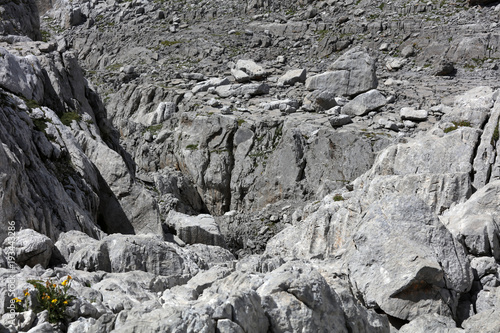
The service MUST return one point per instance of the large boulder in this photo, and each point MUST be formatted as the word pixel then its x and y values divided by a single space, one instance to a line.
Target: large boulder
pixel 121 253
pixel 364 103
pixel 291 77
pixel 29 247
pixel 476 222
pixel 351 74
pixel 404 261
pixel 297 298
pixel 252 69
pixel 21 75
pixel 196 229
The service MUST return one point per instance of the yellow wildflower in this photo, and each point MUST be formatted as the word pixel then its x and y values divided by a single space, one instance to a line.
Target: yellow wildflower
pixel 26 293
pixel 54 300
pixel 65 302
pixel 54 285
pixel 64 283
pixel 17 300
pixel 69 277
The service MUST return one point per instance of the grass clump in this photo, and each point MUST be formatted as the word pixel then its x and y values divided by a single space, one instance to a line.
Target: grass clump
pixel 114 67
pixel 457 124
pixel 50 296
pixel 41 124
pixel 495 136
pixel 154 129
pixel 338 197
pixel 68 117
pixel 192 147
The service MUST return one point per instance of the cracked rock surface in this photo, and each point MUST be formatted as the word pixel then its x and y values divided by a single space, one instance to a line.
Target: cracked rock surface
pixel 258 166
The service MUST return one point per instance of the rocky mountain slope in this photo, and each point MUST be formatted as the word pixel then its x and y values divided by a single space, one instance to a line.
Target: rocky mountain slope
pixel 265 166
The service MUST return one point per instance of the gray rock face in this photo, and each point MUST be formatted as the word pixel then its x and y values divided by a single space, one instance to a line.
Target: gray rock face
pixel 196 229
pixel 121 253
pixel 431 323
pixel 364 103
pixel 412 114
pixel 476 221
pixel 21 75
pixel 407 273
pixel 30 248
pixel 297 298
pixel 253 70
pixel 264 156
pixel 20 18
pixel 353 73
pixel 293 76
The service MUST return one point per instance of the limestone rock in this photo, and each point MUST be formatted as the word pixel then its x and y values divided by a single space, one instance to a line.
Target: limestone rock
pixel 292 293
pixel 486 321
pixel 353 73
pixel 407 273
pixel 431 323
pixel 476 221
pixel 252 69
pixel 340 120
pixel 408 113
pixel 196 229
pixel 364 103
pixel 21 75
pixel 29 248
pixel 293 76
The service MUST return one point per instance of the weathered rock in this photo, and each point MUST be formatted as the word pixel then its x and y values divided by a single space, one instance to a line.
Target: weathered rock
pixel 340 120
pixel 253 70
pixel 321 100
pixel 408 51
pixel 163 112
pixel 364 103
pixel 196 229
pixel 486 321
pixel 443 67
pixel 408 113
pixel 406 262
pixel 431 323
pixel 205 85
pixel 353 73
pixel 28 247
pixel 296 297
pixel 21 75
pixel 476 221
pixel 20 18
pixel 291 77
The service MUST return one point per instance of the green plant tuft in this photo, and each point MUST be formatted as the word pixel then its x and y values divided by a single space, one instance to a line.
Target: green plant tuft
pixel 338 197
pixel 495 136
pixel 457 124
pixel 68 117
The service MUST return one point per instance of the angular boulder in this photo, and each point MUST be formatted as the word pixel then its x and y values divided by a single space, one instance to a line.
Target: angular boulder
pixel 297 298
pixel 29 247
pixel 350 75
pixel 291 77
pixel 476 222
pixel 252 69
pixel 364 103
pixel 404 261
pixel 196 229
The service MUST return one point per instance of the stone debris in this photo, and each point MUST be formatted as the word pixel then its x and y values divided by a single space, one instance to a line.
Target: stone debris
pixel 237 167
